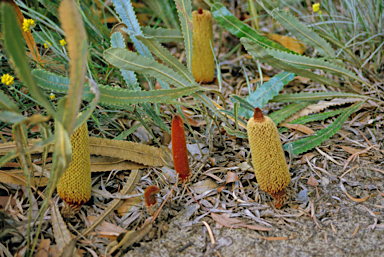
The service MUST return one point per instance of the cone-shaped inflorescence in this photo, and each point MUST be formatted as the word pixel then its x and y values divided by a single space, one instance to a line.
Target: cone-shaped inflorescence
pixel 150 195
pixel 179 149
pixel 74 186
pixel 268 157
pixel 203 62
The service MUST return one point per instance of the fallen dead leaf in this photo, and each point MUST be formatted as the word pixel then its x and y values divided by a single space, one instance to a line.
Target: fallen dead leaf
pixel 204 186
pixel 312 181
pixel 235 223
pixel 127 205
pixel 106 229
pixel 231 177
pixel 289 42
pixel 299 127
pixel 358 200
pixel 43 248
pixel 353 150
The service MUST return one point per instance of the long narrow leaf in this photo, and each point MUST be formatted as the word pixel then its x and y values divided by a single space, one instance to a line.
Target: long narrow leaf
pixel 184 9
pixel 304 62
pixel 127 14
pixel 113 96
pixel 317 117
pixel 125 59
pixel 302 32
pixel 6 103
pixel 259 52
pixel 117 41
pixel 266 92
pixel 157 49
pixel 164 35
pixel 15 48
pixel 314 96
pixel 287 111
pixel 73 26
pixel 305 144
pixel 239 28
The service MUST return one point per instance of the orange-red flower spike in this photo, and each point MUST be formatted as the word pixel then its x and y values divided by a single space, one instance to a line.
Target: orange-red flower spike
pixel 179 149
pixel 150 195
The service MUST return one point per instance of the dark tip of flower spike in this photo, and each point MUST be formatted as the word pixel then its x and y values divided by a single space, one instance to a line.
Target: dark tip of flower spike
pixel 258 115
pixel 200 11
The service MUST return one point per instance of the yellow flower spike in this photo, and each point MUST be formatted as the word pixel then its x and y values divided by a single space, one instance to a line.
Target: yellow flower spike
pixel 268 156
pixel 203 62
pixel 28 24
pixel 316 7
pixel 7 79
pixel 74 186
pixel 63 42
pixel 52 96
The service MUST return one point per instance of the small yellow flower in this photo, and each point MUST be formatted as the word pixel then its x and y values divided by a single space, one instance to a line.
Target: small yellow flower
pixel 316 7
pixel 52 96
pixel 7 79
pixel 320 12
pixel 63 42
pixel 47 44
pixel 28 24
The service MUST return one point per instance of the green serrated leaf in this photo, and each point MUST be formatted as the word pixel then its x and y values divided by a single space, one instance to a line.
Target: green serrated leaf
pixel 6 103
pixel 243 103
pixel 260 53
pixel 163 35
pixel 14 45
pixel 184 9
pixel 11 117
pixel 163 9
pixel 287 111
pixel 266 92
pixel 125 59
pixel 305 144
pixel 304 62
pixel 315 96
pixel 239 28
pixel 302 32
pixel 157 49
pixel 125 10
pixel 117 41
pixel 317 117
pixel 236 133
pixel 114 96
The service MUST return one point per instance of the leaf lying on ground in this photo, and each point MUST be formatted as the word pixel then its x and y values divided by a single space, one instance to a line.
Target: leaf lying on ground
pixel 322 105
pixel 136 152
pixel 236 223
pixel 106 229
pixel 358 200
pixel 126 150
pixel 299 127
pixel 64 239
pixel 302 145
pixel 98 164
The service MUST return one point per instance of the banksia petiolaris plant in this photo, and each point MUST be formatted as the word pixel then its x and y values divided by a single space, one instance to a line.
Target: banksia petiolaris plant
pixel 203 62
pixel 268 157
pixel 179 149
pixel 74 186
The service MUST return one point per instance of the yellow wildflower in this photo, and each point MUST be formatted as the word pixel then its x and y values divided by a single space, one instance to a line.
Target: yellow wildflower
pixel 7 79
pixel 28 24
pixel 62 42
pixel 52 96
pixel 320 12
pixel 47 44
pixel 316 7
